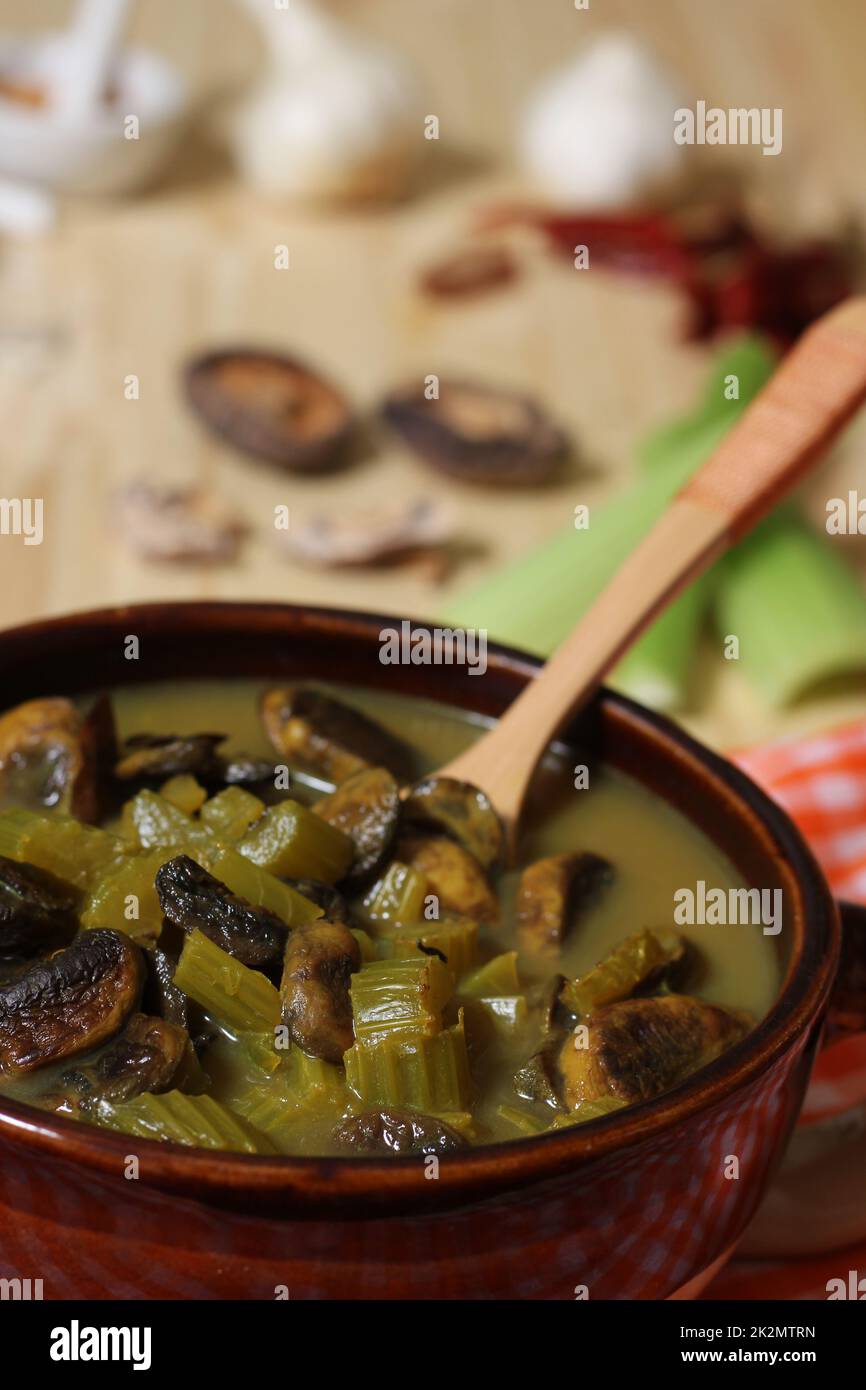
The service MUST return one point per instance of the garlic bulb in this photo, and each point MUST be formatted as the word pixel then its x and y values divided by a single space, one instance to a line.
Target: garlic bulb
pixel 335 116
pixel 600 133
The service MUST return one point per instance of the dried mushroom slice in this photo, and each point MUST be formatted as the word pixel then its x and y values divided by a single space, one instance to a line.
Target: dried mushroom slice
pixel 146 1056
pixel 453 876
pixel 320 961
pixel 396 1133
pixel 461 811
pixel 169 523
pixel 366 807
pixel 37 910
pixel 324 735
pixel 271 407
pixel 52 755
pixel 152 757
pixel 469 271
pixel 193 899
pixel 552 895
pixel 387 534
pixel 71 1003
pixel 639 1048
pixel 478 433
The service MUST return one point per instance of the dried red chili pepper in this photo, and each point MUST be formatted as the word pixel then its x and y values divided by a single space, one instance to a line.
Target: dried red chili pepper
pixel 732 277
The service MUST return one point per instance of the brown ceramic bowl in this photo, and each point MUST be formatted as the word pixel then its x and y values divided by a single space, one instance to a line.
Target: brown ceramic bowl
pixel 633 1205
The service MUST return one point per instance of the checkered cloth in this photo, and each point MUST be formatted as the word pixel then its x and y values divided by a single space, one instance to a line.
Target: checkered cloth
pixel 821 783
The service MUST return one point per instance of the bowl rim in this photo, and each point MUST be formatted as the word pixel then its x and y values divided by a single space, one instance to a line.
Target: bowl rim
pixel 318 1184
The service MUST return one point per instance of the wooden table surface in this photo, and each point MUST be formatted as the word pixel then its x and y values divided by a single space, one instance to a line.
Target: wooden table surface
pixel 135 287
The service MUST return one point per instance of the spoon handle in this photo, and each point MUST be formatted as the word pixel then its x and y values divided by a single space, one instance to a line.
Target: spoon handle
pixel 817 388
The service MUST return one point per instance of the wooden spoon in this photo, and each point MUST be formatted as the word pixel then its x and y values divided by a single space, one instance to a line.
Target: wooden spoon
pixel 817 388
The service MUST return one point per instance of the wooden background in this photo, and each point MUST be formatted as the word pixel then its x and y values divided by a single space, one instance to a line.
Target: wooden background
pixel 134 287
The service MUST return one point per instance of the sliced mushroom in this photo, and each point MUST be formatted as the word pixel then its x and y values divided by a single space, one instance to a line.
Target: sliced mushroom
pixel 161 994
pixel 71 1003
pixel 320 960
pixel 545 997
pixel 641 1047
pixel 146 1056
pixel 396 1133
pixel 245 771
pixel 192 898
pixel 272 407
pixel 462 812
pixel 152 757
pixel 37 911
pixel 478 433
pixel 453 876
pixel 552 895
pixel 324 735
pixel 52 755
pixel 366 807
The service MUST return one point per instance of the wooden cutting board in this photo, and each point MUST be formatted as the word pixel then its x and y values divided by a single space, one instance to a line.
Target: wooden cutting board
pixel 135 287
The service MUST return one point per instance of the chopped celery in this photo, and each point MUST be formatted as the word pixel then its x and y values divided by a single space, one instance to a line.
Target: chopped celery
pixel 125 898
pixel 587 1110
pixel 398 896
pixel 503 1015
pixel 184 792
pixel 73 852
pixel 495 977
pixel 291 841
pixel 231 813
pixel 149 820
pixel 181 1119
pixel 461 1120
pixel 618 975
pixel 367 944
pixel 239 998
pixel 795 607
pixel 258 886
pixel 399 997
pixel 455 937
pixel 425 1073
pixel 300 1085
pixel 522 1120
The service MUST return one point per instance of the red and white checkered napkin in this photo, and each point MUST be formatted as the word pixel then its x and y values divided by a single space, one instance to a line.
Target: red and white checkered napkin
pixel 821 782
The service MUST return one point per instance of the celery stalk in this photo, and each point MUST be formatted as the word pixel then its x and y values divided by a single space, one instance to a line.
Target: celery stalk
pixel 239 998
pixel 537 601
pixel 426 1073
pixel 180 1119
pixel 797 610
pixel 656 670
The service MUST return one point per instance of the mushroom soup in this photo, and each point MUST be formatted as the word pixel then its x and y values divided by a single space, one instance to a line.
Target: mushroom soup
pixel 246 917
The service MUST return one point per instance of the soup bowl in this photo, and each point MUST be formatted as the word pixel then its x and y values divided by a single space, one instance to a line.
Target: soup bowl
pixel 633 1205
